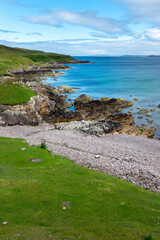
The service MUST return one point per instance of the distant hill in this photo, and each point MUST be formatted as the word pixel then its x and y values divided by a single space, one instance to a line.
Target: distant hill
pixel 11 58
pixel 154 56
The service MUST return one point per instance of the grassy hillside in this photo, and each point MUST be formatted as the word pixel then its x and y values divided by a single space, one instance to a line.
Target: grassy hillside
pixel 11 58
pixel 102 207
pixel 14 93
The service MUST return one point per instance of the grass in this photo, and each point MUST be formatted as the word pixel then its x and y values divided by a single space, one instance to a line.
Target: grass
pixel 102 207
pixel 13 58
pixel 14 93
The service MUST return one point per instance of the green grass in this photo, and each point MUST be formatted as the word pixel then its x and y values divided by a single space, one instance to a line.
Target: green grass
pixel 14 93
pixel 14 58
pixel 102 207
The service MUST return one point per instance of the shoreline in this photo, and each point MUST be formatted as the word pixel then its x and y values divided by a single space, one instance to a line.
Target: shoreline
pixel 131 158
pixel 86 108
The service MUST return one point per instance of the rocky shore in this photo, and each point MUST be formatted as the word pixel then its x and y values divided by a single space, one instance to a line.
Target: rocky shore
pixel 98 117
pixel 85 134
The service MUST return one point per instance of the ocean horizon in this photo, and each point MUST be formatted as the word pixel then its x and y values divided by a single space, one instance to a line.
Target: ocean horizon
pixel 126 77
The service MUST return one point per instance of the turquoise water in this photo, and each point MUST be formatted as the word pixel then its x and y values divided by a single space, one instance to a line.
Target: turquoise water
pixel 128 77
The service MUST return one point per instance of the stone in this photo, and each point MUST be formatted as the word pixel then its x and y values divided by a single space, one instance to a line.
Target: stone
pixel 150 121
pixel 149 115
pixel 154 110
pixel 142 111
pixel 158 106
pixel 58 73
pixel 35 160
pixel 105 99
pixel 23 149
pixel 66 204
pixel 4 223
pixel 65 89
pixel 123 118
pixel 97 156
pixel 140 117
pixel 136 99
pixel 138 107
pixel 91 127
pixel 83 98
pixel 147 131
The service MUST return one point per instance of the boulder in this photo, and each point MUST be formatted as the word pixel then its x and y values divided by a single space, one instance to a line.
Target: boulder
pixel 100 109
pixel 154 110
pixel 142 111
pixel 65 89
pixel 123 118
pixel 145 131
pixel 91 127
pixel 83 98
pixel 148 114
pixel 31 113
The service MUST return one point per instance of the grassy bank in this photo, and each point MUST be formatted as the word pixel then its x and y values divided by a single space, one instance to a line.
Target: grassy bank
pixel 102 207
pixel 13 58
pixel 14 93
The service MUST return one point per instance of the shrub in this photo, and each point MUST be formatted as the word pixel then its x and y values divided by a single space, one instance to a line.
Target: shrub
pixel 149 237
pixel 43 145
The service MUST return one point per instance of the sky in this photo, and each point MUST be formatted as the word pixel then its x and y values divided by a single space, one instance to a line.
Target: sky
pixel 82 28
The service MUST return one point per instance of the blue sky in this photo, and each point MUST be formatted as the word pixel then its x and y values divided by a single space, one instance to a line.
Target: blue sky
pixel 85 27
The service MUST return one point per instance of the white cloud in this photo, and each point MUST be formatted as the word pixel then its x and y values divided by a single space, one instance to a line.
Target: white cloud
pixel 144 9
pixel 153 34
pixel 46 19
pixel 34 33
pixel 8 31
pixel 104 35
pixel 116 48
pixel 86 19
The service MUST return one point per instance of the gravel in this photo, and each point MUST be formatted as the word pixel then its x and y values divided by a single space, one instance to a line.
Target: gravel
pixel 131 158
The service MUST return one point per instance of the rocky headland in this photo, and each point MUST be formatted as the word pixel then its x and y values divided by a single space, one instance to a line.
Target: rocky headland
pixel 91 116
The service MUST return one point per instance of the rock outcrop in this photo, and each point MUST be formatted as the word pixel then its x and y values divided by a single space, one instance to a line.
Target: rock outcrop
pixel 65 89
pixel 31 113
pixel 99 109
pixel 91 127
pixel 123 118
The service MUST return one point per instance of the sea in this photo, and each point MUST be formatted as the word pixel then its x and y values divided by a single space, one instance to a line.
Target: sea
pixel 126 77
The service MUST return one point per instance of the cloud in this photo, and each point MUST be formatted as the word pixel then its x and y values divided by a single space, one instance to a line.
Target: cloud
pixel 75 40
pixel 112 48
pixel 8 31
pixel 86 19
pixel 46 19
pixel 104 35
pixel 144 9
pixel 34 33
pixel 15 2
pixel 153 34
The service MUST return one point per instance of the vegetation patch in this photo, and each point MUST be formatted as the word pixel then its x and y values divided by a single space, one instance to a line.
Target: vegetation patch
pixel 13 93
pixel 15 58
pixel 56 199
